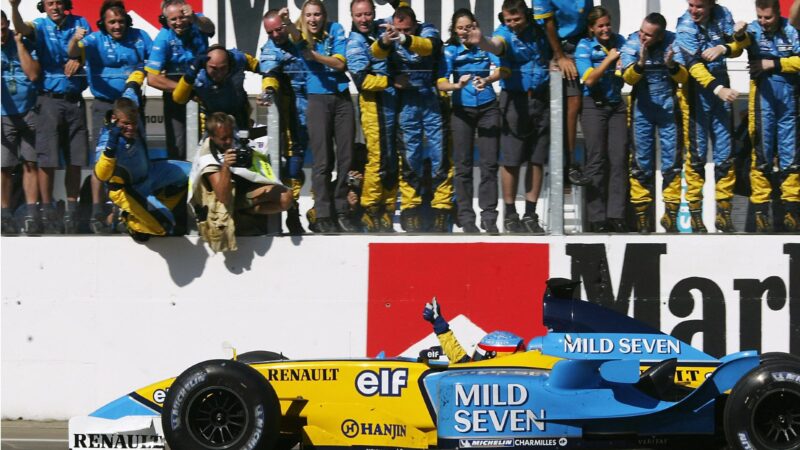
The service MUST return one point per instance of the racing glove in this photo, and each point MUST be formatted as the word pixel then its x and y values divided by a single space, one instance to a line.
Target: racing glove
pixel 133 91
pixel 112 144
pixel 433 314
pixel 194 68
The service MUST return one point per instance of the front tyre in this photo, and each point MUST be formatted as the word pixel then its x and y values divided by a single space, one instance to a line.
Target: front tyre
pixel 763 409
pixel 221 405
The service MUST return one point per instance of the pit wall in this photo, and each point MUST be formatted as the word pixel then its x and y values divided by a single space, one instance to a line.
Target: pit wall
pixel 87 319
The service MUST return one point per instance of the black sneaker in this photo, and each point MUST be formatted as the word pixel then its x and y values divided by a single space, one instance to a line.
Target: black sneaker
pixel 325 225
pixel 576 177
pixel 601 226
pixel 441 221
pixel 71 222
pixel 490 226
pixel 32 226
pixel 8 226
pixel 138 237
pixel 531 224
pixel 51 223
pixel 345 224
pixel 293 224
pixel 411 221
pixel 98 225
pixel 470 228
pixel 617 225
pixel 511 224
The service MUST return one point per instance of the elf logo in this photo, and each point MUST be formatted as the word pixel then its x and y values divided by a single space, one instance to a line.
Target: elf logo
pixel 384 382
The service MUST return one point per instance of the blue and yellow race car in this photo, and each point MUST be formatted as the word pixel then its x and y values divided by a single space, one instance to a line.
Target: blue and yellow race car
pixel 597 379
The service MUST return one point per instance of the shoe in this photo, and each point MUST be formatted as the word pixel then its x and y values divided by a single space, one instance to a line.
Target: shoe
pixel 371 219
pixel 600 226
pixel 642 218
pixel 51 223
pixel 617 225
pixel 70 222
pixel 325 225
pixel 345 224
pixel 410 220
pixel 98 224
pixel 576 177
pixel 531 224
pixel 311 216
pixel 470 228
pixel 696 212
pixel 293 224
pixel 441 221
pixel 490 226
pixel 761 213
pixel 512 224
pixel 791 218
pixel 387 222
pixel 670 218
pixel 32 226
pixel 8 227
pixel 723 220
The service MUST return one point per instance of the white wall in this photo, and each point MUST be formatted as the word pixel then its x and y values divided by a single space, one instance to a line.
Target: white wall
pixel 87 319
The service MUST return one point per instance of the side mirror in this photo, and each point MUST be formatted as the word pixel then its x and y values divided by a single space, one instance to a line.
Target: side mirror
pixel 433 353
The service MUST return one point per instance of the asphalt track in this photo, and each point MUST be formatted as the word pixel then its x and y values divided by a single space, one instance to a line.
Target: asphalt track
pixel 25 435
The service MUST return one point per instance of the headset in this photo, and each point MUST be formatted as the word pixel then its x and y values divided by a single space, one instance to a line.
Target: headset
pixel 162 19
pixel 528 14
pixel 101 22
pixel 67 5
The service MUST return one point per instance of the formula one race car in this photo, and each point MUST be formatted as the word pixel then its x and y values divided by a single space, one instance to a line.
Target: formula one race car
pixel 598 379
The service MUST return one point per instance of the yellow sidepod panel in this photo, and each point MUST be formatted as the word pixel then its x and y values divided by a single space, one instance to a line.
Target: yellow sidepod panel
pixel 355 424
pixel 353 402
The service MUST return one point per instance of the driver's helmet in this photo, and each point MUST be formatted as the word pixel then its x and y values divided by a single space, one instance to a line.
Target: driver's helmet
pixel 497 343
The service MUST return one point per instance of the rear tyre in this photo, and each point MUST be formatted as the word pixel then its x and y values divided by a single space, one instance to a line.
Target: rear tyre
pixel 221 405
pixel 763 409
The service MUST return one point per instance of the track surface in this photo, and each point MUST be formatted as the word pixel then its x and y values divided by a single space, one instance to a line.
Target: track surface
pixel 25 435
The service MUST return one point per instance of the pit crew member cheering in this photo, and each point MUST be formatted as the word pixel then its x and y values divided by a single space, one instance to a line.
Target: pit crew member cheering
pixel 651 65
pixel 774 55
pixel 232 187
pixel 565 25
pixel 183 36
pixel 217 79
pixel 330 109
pixel 115 57
pixel 148 192
pixel 284 83
pixel 525 107
pixel 378 105
pixel 413 50
pixel 494 344
pixel 706 35
pixel 61 110
pixel 20 70
pixel 474 112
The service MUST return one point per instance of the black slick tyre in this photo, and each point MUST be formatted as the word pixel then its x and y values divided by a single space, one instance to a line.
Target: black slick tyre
pixel 221 405
pixel 763 409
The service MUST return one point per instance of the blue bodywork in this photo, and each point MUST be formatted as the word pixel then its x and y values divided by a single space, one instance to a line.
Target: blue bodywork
pixel 590 399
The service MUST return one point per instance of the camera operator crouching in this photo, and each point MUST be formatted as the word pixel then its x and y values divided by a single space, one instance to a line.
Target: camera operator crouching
pixel 232 187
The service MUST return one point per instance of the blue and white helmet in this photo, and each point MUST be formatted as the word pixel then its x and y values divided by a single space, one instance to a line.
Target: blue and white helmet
pixel 498 343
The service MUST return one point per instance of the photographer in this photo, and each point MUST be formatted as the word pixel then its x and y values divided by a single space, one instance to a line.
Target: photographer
pixel 232 188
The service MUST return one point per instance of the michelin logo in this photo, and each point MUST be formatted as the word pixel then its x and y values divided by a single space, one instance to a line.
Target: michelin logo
pixel 484 443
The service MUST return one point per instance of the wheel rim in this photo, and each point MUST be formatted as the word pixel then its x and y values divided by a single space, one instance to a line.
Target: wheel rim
pixel 776 419
pixel 217 417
